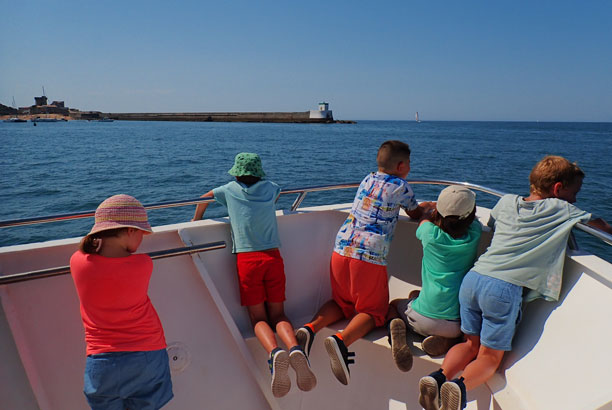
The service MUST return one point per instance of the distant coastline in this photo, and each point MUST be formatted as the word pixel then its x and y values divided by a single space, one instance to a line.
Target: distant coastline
pixel 57 110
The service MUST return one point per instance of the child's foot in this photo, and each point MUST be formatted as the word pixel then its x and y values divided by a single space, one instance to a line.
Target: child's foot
pixel 305 336
pixel 339 358
pixel 279 366
pixel 438 345
pixel 399 349
pixel 306 379
pixel 453 395
pixel 429 389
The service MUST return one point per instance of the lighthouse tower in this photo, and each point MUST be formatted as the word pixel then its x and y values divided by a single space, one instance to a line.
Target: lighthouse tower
pixel 322 113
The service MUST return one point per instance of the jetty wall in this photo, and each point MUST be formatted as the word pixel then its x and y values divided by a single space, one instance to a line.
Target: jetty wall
pixel 299 117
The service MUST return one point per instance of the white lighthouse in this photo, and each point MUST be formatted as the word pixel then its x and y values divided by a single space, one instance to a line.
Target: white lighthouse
pixel 322 113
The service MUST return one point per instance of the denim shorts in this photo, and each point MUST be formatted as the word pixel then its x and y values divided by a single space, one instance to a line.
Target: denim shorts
pixel 490 308
pixel 134 380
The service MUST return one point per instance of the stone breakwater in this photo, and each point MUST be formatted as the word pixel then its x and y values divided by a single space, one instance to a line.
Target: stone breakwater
pixel 279 117
pixel 287 117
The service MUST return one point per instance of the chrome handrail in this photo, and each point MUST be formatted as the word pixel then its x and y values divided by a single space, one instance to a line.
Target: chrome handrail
pixel 88 214
pixel 302 192
pixel 603 236
pixel 62 270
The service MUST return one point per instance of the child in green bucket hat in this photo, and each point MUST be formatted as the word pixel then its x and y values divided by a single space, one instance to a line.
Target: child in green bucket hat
pixel 250 202
pixel 247 163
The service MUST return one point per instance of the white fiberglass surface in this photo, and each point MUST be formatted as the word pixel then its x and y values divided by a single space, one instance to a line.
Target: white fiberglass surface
pixel 219 364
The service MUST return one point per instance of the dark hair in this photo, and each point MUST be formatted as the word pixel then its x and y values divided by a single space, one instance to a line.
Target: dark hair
pixel 452 225
pixel 391 153
pixel 550 170
pixel 248 180
pixel 89 243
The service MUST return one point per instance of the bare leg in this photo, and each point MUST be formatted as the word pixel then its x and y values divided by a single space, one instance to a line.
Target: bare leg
pixel 392 312
pixel 359 326
pixel 329 313
pixel 481 369
pixel 305 378
pixel 263 331
pixel 460 355
pixel 278 320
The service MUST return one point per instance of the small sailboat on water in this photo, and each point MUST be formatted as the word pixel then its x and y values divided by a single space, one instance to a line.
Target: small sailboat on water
pixel 416 116
pixel 14 118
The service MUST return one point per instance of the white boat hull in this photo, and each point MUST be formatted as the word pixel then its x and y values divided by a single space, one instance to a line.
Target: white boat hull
pixel 561 358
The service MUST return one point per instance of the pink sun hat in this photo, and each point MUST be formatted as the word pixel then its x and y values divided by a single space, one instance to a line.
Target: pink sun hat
pixel 121 211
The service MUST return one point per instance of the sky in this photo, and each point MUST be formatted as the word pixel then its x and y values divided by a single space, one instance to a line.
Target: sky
pixel 448 60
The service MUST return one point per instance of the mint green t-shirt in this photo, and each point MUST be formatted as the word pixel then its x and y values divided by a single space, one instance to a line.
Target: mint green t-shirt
pixel 529 242
pixel 252 214
pixel 445 262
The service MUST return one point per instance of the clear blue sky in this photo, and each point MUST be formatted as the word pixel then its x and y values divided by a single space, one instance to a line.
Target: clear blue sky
pixel 485 60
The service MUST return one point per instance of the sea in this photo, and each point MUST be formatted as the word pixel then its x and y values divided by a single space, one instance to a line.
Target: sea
pixel 64 167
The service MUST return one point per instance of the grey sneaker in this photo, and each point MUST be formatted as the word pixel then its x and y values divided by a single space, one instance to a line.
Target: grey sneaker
pixel 306 380
pixel 305 337
pixel 339 358
pixel 438 345
pixel 279 366
pixel 399 348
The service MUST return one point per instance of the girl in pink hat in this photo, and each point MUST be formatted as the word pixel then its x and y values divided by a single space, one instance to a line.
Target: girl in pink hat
pixel 127 364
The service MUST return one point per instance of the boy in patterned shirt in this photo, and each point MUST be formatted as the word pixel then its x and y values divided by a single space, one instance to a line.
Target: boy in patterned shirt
pixel 358 270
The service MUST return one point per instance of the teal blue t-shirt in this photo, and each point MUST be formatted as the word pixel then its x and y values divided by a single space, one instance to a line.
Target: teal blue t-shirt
pixel 445 262
pixel 252 214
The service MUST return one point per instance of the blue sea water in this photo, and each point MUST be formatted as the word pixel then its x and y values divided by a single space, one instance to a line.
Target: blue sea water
pixel 68 167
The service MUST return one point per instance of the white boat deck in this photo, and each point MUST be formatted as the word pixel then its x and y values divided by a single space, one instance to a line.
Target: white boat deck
pixel 561 360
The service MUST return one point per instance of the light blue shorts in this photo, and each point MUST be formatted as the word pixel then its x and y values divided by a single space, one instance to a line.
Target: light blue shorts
pixel 490 308
pixel 128 380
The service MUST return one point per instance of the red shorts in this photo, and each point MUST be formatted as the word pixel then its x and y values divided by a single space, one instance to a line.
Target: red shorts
pixel 261 276
pixel 359 287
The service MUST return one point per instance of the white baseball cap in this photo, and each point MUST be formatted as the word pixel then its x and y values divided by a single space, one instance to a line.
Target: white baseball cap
pixel 456 200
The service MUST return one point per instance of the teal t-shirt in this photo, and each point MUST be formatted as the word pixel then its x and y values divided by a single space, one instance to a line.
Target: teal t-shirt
pixel 252 214
pixel 529 242
pixel 445 262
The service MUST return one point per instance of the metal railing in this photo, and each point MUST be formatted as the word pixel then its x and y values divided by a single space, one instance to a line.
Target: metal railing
pixel 301 192
pixel 62 270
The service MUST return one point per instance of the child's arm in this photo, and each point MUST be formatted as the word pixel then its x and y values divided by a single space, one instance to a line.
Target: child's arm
pixel 422 211
pixel 201 208
pixel 601 225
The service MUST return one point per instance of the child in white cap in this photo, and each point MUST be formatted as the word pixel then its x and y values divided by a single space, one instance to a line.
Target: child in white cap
pixel 127 364
pixel 449 236
pixel 250 202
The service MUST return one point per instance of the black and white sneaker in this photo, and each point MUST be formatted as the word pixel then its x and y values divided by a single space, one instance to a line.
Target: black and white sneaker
pixel 339 358
pixel 429 390
pixel 279 366
pixel 453 395
pixel 305 336
pixel 306 379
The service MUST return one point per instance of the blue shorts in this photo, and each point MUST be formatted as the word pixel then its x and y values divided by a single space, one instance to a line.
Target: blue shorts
pixel 134 380
pixel 490 308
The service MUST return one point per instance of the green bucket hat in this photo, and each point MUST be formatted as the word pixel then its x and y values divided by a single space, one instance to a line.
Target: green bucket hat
pixel 247 163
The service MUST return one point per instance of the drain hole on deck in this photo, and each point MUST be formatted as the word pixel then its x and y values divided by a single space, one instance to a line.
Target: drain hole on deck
pixel 179 356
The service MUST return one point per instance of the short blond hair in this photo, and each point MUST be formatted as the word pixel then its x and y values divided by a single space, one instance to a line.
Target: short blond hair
pixel 550 170
pixel 391 153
